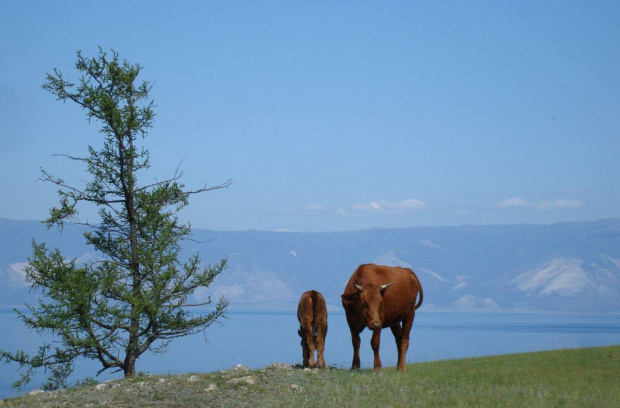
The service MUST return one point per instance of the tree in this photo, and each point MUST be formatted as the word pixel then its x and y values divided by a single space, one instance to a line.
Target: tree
pixel 134 296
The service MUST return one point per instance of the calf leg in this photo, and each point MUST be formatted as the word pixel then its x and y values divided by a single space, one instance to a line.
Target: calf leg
pixel 311 347
pixel 375 342
pixel 320 347
pixel 304 347
pixel 307 343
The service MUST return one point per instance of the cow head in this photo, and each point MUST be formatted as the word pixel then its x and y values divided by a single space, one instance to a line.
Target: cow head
pixel 368 301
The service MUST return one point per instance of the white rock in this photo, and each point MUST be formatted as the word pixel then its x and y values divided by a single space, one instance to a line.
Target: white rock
pixel 192 378
pixel 240 367
pixel 296 387
pixel 211 387
pixel 281 366
pixel 250 379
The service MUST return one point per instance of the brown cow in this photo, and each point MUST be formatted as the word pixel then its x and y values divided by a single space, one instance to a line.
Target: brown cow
pixel 312 316
pixel 378 297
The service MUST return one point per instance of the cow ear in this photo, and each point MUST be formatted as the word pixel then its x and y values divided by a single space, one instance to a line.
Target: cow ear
pixel 299 332
pixel 383 288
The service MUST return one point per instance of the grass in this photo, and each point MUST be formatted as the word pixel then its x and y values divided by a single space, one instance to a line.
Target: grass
pixel 563 378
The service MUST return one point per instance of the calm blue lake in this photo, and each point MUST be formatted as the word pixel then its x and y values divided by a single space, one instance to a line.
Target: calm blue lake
pixel 259 338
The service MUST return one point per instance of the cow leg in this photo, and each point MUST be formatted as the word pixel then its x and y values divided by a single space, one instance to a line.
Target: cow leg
pixel 404 345
pixel 355 338
pixel 375 342
pixel 397 331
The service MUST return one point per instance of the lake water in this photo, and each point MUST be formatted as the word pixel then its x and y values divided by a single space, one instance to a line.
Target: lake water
pixel 258 338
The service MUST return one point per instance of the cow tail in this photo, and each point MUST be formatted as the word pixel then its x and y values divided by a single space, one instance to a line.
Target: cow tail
pixel 420 291
pixel 315 331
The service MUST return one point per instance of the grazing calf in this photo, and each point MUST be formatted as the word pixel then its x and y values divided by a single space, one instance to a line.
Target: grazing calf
pixel 377 297
pixel 312 316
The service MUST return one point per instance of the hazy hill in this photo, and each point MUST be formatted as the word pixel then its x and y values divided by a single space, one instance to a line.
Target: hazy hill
pixel 563 267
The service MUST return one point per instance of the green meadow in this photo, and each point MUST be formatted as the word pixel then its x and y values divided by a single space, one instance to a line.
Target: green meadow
pixel 588 377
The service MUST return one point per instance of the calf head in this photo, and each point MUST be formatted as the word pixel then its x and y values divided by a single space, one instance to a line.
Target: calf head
pixel 368 301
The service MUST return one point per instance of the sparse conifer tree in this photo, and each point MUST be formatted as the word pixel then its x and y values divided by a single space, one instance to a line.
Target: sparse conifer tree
pixel 135 297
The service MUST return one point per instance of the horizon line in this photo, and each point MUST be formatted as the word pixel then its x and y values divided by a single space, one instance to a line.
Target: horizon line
pixel 289 231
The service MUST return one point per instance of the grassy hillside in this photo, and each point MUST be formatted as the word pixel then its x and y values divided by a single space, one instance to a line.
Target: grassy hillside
pixel 572 378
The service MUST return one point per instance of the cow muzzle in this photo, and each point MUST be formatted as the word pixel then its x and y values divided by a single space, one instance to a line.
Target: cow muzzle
pixel 375 324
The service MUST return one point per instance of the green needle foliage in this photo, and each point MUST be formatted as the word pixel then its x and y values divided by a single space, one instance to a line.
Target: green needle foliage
pixel 134 297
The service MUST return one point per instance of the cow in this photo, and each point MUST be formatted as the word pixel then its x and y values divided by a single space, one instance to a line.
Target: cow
pixel 312 316
pixel 377 297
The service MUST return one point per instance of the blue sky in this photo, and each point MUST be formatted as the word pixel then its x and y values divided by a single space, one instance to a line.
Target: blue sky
pixel 335 115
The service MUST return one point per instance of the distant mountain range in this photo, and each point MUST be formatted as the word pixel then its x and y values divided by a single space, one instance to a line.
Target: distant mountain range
pixel 569 267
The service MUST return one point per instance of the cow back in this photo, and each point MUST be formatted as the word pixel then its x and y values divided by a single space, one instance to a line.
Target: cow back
pixel 312 308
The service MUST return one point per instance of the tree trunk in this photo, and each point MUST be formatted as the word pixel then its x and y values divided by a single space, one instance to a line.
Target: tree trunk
pixel 129 368
pixel 127 162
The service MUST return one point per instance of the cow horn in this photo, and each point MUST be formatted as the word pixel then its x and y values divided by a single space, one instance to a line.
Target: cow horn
pixel 387 285
pixel 356 286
